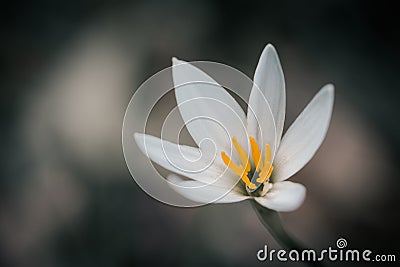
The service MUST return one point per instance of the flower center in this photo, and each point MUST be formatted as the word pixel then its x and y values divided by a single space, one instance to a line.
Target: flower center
pixel 261 170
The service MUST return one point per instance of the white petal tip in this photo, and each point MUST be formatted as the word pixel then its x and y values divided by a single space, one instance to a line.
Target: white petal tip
pixel 269 46
pixel 176 61
pixel 269 50
pixel 137 136
pixel 328 92
pixel 139 139
pixel 330 88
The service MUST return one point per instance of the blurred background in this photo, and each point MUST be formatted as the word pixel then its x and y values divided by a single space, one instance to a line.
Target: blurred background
pixel 69 69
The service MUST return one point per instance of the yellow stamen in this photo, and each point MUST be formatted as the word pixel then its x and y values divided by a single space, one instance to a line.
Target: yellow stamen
pixel 231 165
pixel 255 153
pixel 242 154
pixel 249 184
pixel 238 170
pixel 264 174
pixel 267 159
pixel 265 169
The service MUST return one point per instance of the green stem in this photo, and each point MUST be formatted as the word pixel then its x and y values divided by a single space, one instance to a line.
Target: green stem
pixel 272 221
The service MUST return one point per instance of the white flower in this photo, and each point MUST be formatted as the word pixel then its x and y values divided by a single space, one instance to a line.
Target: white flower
pixel 271 160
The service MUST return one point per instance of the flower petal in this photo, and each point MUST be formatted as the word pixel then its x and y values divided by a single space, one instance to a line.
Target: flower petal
pixel 269 86
pixel 283 196
pixel 207 109
pixel 204 193
pixel 304 136
pixel 185 160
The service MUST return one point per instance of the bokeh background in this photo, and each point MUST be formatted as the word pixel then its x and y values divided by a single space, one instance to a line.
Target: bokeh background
pixel 69 69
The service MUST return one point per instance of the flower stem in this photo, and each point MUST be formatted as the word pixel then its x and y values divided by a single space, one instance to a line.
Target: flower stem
pixel 272 221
